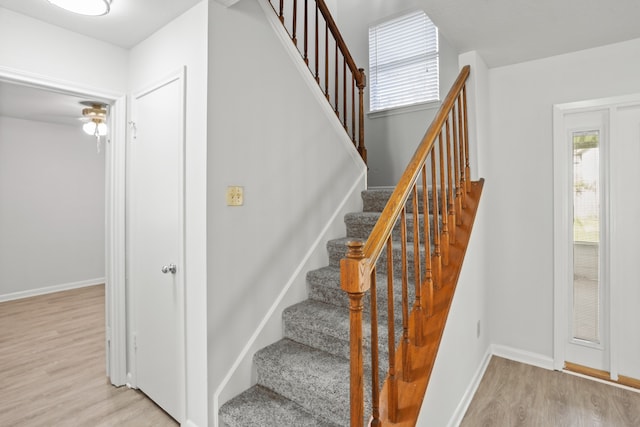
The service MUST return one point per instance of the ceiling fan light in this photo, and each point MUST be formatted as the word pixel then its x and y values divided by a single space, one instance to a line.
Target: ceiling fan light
pixel 84 7
pixel 101 129
pixel 90 128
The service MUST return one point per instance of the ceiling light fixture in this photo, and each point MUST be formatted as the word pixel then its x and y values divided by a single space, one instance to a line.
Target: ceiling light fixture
pixel 95 116
pixel 84 7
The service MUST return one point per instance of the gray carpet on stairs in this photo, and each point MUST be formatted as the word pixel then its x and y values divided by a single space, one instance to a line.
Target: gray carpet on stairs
pixel 303 379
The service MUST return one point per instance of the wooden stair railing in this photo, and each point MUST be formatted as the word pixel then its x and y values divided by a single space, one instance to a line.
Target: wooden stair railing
pixel 326 54
pixel 441 165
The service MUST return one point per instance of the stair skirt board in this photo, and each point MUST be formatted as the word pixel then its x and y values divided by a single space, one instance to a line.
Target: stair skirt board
pixel 303 379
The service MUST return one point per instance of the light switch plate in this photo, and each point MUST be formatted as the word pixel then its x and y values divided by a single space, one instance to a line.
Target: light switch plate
pixel 235 196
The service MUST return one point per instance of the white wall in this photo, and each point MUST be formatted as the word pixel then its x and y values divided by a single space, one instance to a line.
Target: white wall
pixel 462 352
pixel 391 140
pixel 51 209
pixel 45 50
pixel 519 186
pixel 269 134
pixel 183 42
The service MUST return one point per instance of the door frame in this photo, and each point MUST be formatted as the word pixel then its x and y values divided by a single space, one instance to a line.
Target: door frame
pixel 179 76
pixel 562 252
pixel 115 297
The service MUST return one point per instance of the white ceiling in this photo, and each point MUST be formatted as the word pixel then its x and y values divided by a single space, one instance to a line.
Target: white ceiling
pixel 502 31
pixel 127 24
pixel 512 31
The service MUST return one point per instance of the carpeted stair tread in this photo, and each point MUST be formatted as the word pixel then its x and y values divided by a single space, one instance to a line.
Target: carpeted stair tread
pixel 337 249
pixel 324 286
pixel 360 224
pixel 259 406
pixel 326 327
pixel 375 199
pixel 312 378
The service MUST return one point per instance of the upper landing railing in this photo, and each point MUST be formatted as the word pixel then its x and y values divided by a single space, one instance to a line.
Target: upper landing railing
pixel 316 35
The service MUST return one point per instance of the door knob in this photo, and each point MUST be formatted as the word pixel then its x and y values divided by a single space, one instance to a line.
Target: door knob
pixel 171 268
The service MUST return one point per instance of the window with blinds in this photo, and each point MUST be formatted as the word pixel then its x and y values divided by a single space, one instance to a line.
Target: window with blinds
pixel 403 62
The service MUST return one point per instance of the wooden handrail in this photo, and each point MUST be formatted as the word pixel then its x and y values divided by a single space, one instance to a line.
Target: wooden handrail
pixel 442 162
pixel 329 80
pixel 357 72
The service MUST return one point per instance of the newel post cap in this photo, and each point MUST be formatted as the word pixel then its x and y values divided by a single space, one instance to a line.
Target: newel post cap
pixel 355 269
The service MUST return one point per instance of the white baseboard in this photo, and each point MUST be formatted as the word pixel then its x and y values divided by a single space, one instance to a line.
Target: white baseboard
pixel 51 289
pixel 522 356
pixel 464 403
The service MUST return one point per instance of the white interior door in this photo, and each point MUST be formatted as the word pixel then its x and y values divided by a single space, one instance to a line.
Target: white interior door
pixel 156 249
pixel 596 155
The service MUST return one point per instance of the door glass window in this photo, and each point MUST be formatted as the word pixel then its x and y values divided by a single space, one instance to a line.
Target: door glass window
pixel 586 236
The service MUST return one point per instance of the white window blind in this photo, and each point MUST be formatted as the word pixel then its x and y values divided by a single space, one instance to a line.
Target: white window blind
pixel 403 62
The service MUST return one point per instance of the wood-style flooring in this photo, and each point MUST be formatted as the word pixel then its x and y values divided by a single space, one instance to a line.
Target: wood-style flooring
pixel 52 366
pixel 514 394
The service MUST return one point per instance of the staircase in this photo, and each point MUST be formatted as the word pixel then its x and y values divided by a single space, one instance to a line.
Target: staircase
pixel 303 379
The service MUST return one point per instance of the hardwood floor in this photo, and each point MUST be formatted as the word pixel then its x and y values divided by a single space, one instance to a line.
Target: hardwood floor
pixel 514 394
pixel 52 366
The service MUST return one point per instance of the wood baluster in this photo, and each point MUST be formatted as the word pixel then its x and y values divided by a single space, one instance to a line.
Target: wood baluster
pixel 355 281
pixel 281 13
pixel 326 60
pixel 443 199
pixel 417 273
pixel 294 25
pixel 353 109
pixel 306 32
pixel 406 355
pixel 463 185
pixel 456 166
pixel 375 380
pixel 467 169
pixel 392 398
pixel 452 212
pixel 316 53
pixel 336 83
pixel 344 94
pixel 436 219
pixel 361 83
pixel 427 242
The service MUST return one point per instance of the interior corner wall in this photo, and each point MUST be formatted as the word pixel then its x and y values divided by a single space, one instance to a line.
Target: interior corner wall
pixel 47 51
pixel 269 134
pixel 52 209
pixel 392 139
pixel 183 43
pixel 519 181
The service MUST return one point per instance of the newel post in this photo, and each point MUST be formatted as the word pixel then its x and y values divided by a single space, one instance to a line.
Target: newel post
pixel 355 279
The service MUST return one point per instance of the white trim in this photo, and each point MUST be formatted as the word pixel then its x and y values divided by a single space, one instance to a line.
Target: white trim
pixel 228 3
pixel 51 289
pixel 428 105
pixel 189 423
pixel 273 309
pixel 522 356
pixel 297 60
pixel 464 403
pixel 115 238
pixel 40 81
